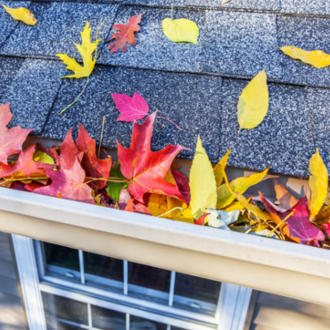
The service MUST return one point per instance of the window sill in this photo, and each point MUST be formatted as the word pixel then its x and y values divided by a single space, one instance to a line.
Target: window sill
pixel 264 264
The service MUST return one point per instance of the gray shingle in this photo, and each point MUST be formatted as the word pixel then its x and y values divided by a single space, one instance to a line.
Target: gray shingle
pixel 192 101
pixel 8 24
pixel 320 7
pixel 309 34
pixel 32 92
pixel 9 66
pixel 153 49
pixel 319 100
pixel 241 44
pixel 59 28
pixel 283 140
pixel 155 3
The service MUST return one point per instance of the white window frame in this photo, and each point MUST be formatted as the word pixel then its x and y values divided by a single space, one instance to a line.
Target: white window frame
pixel 231 312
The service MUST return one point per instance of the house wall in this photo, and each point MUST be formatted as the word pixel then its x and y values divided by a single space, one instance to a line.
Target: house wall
pixel 273 312
pixel 12 314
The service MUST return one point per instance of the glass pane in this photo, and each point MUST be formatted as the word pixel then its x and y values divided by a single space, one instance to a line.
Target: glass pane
pixel 103 266
pixel 138 323
pixel 149 277
pixel 64 326
pixel 61 256
pixel 176 328
pixel 197 288
pixel 107 319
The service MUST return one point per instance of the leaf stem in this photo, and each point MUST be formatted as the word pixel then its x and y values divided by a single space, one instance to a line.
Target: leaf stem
pixel 170 121
pixel 98 154
pixel 176 208
pixel 172 8
pixel 77 98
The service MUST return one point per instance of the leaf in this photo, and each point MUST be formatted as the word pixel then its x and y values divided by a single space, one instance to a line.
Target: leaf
pixel 145 169
pixel 11 140
pixel 201 220
pixel 114 188
pixel 318 184
pixel 21 14
pixel 239 185
pixel 183 185
pixel 181 30
pixel 125 34
pixel 284 197
pixel 136 207
pixel 86 50
pixel 68 184
pixel 222 219
pixel 42 157
pixel 220 168
pixel 94 167
pixel 225 1
pixel 236 206
pixel 323 216
pixel 131 108
pixel 202 183
pixel 253 103
pixel 315 58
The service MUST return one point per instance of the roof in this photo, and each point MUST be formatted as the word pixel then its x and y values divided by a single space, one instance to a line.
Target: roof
pixel 197 86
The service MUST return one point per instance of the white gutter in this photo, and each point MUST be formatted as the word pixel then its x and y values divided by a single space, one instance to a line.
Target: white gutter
pixel 264 264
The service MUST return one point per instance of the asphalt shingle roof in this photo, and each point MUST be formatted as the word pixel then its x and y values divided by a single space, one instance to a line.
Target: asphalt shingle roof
pixel 197 86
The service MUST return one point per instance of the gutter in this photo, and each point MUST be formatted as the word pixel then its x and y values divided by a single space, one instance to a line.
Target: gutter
pixel 264 264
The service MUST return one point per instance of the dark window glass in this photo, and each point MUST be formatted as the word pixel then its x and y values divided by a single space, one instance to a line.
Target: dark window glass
pixel 64 326
pixel 98 265
pixel 107 319
pixel 176 328
pixel 197 288
pixel 149 277
pixel 138 323
pixel 61 256
pixel 70 310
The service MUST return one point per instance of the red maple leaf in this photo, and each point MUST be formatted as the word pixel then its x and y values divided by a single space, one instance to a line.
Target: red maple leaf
pixel 183 184
pixel 94 167
pixel 131 108
pixel 125 34
pixel 145 169
pixel 69 152
pixel 68 184
pixel 11 140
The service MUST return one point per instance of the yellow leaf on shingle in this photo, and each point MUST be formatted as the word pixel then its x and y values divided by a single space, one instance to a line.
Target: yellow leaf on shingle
pixel 181 30
pixel 315 58
pixel 21 14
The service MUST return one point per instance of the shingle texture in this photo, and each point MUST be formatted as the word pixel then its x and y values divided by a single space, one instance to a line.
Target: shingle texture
pixel 196 86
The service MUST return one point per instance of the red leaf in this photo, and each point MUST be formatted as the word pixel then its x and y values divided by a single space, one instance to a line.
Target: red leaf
pixel 94 167
pixel 200 221
pixel 327 228
pixel 183 184
pixel 126 34
pixel 11 140
pixel 134 206
pixel 145 169
pixel 131 108
pixel 68 184
pixel 69 152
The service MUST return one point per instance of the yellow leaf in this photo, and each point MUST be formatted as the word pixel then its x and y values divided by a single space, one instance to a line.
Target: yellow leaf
pixel 181 30
pixel 253 103
pixel 318 184
pixel 202 183
pixel 235 206
pixel 21 14
pixel 239 185
pixel 42 157
pixel 220 167
pixel 86 50
pixel 170 178
pixel 315 58
pixel 158 205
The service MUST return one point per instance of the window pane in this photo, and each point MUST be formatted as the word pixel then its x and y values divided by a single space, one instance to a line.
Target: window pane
pixel 103 266
pixel 64 326
pixel 61 256
pixel 197 288
pixel 138 323
pixel 107 319
pixel 176 328
pixel 149 277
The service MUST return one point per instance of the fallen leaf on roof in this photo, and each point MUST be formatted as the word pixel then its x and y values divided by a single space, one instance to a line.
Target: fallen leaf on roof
pixel 220 168
pixel 253 103
pixel 285 199
pixel 181 30
pixel 11 140
pixel 202 183
pixel 318 184
pixel 315 58
pixel 225 1
pixel 323 216
pixel 125 34
pixel 131 108
pixel 21 14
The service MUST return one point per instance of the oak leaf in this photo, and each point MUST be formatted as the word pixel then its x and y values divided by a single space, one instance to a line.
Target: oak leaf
pixel 11 140
pixel 145 169
pixel 180 30
pixel 21 14
pixel 125 34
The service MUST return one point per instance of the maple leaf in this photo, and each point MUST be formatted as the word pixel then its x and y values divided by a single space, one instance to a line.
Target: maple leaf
pixel 68 184
pixel 183 185
pixel 145 169
pixel 136 207
pixel 86 50
pixel 69 152
pixel 125 34
pixel 11 140
pixel 21 14
pixel 131 108
pixel 94 167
